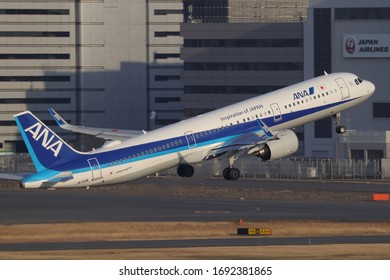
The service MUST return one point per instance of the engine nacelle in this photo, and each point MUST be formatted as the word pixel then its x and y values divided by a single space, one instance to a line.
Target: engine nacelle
pixel 286 144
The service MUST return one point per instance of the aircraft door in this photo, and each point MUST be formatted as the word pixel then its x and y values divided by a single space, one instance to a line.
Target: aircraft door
pixel 95 168
pixel 276 111
pixel 190 139
pixel 343 88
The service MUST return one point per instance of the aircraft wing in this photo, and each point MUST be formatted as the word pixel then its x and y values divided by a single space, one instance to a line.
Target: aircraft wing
pixel 108 134
pixel 248 142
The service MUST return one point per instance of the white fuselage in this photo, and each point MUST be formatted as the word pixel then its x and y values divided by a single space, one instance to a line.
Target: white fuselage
pixel 189 141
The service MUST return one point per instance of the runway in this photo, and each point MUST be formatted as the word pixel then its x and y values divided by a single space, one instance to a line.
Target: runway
pixel 124 203
pixel 197 199
pixel 185 243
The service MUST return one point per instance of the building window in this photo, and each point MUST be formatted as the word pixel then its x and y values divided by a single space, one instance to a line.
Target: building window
pixel 166 55
pixel 34 34
pixel 167 12
pixel 362 13
pixel 374 154
pixel 381 110
pixel 34 56
pixel 166 121
pixel 243 66
pixel 166 33
pixel 323 128
pixel 34 12
pixel 166 99
pixel 357 154
pixel 33 100
pixel 230 89
pixel 34 78
pixel 161 78
pixel 322 41
pixel 243 43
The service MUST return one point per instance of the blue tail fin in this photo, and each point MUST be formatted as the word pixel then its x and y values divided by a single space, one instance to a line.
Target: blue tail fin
pixel 44 146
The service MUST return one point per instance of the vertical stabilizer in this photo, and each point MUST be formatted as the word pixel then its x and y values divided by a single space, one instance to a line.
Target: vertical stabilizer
pixel 44 146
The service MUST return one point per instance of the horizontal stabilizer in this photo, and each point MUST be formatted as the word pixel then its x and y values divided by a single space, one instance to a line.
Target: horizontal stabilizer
pixel 13 176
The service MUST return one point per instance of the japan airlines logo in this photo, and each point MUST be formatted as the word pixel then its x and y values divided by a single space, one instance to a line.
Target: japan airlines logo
pixel 350 45
pixel 39 132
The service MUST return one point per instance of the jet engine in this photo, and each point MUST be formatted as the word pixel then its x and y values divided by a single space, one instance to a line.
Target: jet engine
pixel 285 144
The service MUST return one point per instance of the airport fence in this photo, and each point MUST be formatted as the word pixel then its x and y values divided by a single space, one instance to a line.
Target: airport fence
pixel 291 168
pixel 295 168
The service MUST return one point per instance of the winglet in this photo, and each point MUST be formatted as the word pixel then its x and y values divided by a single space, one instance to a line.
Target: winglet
pixel 60 121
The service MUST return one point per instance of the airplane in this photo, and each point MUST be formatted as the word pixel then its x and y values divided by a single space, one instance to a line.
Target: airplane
pixel 260 126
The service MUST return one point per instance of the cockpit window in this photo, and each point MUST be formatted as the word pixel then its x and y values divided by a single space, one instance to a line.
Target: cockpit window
pixel 358 81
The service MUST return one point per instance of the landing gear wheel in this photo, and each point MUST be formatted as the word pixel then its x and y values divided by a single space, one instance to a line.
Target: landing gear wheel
pixel 185 170
pixel 234 174
pixel 226 173
pixel 231 174
pixel 340 129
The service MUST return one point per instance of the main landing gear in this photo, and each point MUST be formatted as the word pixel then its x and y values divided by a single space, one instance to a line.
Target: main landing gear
pixel 185 170
pixel 339 128
pixel 231 173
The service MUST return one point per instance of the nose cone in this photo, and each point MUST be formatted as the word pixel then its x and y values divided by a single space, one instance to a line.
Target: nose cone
pixel 370 88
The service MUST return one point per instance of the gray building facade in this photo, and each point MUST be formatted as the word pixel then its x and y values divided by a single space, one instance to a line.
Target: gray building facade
pixel 350 36
pixel 98 63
